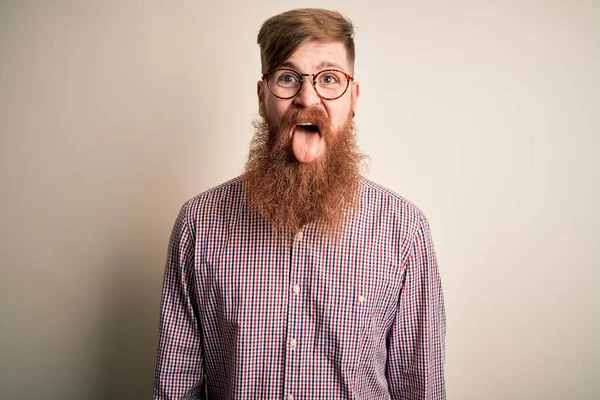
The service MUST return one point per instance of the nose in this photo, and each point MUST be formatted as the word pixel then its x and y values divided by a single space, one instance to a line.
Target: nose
pixel 307 97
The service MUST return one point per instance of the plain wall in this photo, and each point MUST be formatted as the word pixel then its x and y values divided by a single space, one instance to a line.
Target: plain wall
pixel 484 114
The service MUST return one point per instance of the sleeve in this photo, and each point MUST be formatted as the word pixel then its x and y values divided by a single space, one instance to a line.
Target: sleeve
pixel 416 344
pixel 179 365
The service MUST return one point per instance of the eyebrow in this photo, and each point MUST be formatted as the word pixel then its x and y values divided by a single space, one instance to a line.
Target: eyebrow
pixel 322 65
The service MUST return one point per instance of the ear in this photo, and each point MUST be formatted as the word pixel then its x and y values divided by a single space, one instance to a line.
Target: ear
pixel 355 95
pixel 260 92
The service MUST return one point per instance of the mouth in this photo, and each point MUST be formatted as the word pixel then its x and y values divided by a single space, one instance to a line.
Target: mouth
pixel 306 127
pixel 306 141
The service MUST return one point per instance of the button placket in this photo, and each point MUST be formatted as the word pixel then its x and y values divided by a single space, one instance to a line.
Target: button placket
pixel 294 317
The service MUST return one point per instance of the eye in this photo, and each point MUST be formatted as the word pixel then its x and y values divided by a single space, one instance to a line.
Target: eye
pixel 328 79
pixel 287 78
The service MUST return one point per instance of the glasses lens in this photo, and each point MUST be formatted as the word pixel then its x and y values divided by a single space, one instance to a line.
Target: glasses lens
pixel 284 83
pixel 331 84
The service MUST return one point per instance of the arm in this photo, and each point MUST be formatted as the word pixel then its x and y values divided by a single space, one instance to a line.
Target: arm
pixel 179 365
pixel 416 345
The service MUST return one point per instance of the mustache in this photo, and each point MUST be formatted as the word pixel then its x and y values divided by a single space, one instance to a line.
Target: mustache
pixel 314 115
pixel 295 116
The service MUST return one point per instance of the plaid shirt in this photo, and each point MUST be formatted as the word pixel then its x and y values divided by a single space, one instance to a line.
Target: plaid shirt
pixel 246 315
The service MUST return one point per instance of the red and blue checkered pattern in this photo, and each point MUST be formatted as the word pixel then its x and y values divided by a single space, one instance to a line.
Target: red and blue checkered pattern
pixel 250 315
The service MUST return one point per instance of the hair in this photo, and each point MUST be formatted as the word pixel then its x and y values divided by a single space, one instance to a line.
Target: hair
pixel 280 35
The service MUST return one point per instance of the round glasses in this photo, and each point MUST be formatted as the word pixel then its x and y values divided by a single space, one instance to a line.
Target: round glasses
pixel 330 84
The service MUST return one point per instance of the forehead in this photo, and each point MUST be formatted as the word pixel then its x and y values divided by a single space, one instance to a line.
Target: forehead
pixel 313 56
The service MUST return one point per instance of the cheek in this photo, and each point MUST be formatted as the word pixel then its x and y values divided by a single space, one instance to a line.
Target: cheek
pixel 338 114
pixel 275 110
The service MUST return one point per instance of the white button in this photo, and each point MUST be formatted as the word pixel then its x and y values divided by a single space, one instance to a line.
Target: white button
pixel 299 236
pixel 290 397
pixel 361 299
pixel 293 343
pixel 296 289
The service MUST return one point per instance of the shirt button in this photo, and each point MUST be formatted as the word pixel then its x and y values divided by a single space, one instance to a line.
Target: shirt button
pixel 290 397
pixel 296 289
pixel 293 343
pixel 361 299
pixel 299 236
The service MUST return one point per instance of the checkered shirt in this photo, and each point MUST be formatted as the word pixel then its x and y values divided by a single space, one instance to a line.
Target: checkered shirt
pixel 249 315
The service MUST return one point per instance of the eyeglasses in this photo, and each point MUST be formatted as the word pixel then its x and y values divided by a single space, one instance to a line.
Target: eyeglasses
pixel 330 84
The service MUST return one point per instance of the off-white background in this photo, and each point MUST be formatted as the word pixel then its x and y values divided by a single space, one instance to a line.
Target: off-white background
pixel 484 114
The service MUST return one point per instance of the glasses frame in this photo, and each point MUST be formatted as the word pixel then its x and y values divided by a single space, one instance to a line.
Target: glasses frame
pixel 265 77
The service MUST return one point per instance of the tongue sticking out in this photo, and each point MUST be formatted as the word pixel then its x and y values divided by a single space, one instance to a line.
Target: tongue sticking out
pixel 306 143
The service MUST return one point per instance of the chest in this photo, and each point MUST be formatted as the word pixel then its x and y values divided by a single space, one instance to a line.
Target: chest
pixel 349 284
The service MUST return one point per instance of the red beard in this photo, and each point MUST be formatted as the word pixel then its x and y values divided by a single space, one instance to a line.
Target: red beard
pixel 289 193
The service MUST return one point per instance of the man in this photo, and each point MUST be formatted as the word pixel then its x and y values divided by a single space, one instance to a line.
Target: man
pixel 301 279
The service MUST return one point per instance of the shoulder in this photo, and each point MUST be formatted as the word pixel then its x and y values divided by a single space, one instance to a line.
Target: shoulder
pixel 385 201
pixel 398 217
pixel 225 197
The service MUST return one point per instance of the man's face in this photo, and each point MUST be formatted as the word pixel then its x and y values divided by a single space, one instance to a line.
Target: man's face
pixel 311 58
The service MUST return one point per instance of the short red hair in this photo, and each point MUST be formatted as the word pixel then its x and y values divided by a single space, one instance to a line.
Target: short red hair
pixel 280 35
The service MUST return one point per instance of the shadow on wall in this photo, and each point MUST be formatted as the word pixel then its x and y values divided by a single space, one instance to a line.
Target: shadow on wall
pixel 128 324
pixel 128 329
